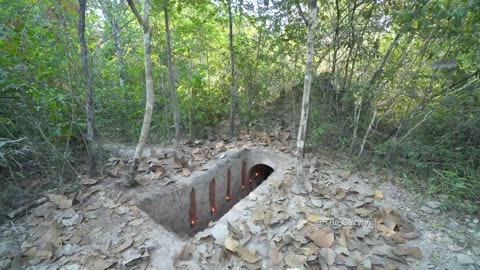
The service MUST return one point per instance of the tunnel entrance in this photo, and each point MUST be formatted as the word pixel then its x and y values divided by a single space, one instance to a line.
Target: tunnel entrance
pixel 219 205
pixel 189 207
pixel 258 174
pixel 190 204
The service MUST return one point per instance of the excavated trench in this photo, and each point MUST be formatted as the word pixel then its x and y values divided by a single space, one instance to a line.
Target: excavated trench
pixel 188 206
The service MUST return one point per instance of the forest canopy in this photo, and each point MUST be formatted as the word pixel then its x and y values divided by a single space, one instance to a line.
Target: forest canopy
pixel 395 83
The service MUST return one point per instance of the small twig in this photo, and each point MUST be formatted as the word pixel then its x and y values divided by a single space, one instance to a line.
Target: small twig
pixel 416 125
pixel 26 207
pixel 15 228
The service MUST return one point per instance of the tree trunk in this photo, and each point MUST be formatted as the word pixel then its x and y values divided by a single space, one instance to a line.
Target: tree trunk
pixel 89 109
pixel 147 119
pixel 118 48
pixel 369 90
pixel 302 129
pixel 173 94
pixel 232 65
pixel 367 132
pixel 112 10
pixel 335 51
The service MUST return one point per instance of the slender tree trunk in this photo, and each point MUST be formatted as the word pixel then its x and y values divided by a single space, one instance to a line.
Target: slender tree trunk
pixel 367 132
pixel 302 129
pixel 163 89
pixel 190 91
pixel 371 83
pixel 173 94
pixel 232 65
pixel 380 68
pixel 335 50
pixel 166 105
pixel 147 119
pixel 89 109
pixel 251 84
pixel 112 10
pixel 118 48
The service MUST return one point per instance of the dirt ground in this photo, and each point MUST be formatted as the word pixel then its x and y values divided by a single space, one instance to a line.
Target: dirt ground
pixel 341 220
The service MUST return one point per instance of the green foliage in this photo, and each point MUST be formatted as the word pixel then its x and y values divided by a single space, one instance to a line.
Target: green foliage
pixel 427 120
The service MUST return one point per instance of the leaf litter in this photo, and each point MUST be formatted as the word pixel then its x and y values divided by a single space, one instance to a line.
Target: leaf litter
pixel 340 223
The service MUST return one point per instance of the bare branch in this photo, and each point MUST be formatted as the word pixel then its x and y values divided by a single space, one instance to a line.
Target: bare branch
pixel 416 126
pixel 135 12
pixel 301 13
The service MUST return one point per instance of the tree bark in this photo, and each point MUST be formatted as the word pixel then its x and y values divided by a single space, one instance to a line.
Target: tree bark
pixel 147 119
pixel 89 109
pixel 118 47
pixel 173 94
pixel 302 129
pixel 335 49
pixel 367 132
pixel 113 13
pixel 232 65
pixel 371 84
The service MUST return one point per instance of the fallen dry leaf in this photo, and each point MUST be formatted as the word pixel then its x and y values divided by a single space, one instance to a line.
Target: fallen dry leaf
pixel 52 236
pixel 144 178
pixel 295 260
pixel 158 172
pixel 85 180
pixel 385 230
pixel 122 209
pixel 97 263
pixel 340 193
pixel 231 244
pixel 316 219
pixel 328 255
pixel 186 172
pixel 60 200
pixel 377 194
pixel 136 222
pixel 362 212
pixel 275 257
pixel 34 252
pixel 300 224
pixel 123 246
pixel 323 237
pixel 247 255
pixel 413 252
pixel 283 137
pixel 179 159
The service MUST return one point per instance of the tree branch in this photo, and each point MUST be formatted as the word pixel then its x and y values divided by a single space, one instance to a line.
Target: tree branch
pixel 135 12
pixel 301 12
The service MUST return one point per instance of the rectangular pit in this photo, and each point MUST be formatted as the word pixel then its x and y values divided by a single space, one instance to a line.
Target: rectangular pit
pixel 188 206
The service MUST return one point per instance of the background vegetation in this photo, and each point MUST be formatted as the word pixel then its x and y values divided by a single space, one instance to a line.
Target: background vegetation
pixel 396 84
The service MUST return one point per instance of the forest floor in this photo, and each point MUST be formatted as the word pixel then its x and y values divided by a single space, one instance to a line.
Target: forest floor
pixel 100 227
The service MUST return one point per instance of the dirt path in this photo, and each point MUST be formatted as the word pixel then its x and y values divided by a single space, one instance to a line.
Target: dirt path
pixel 347 221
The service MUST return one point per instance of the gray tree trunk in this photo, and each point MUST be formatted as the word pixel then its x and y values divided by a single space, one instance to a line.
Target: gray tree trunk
pixel 113 12
pixel 302 129
pixel 147 119
pixel 89 109
pixel 232 65
pixel 118 47
pixel 173 93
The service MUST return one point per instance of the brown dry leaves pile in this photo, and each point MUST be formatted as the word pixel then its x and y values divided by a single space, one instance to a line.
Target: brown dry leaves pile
pixel 341 224
pixel 95 227
pixel 162 165
pixel 81 231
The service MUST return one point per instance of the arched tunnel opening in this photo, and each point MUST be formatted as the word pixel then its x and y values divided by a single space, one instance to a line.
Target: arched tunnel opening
pixel 258 174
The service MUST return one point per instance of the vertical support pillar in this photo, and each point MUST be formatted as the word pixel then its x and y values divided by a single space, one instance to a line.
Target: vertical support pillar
pixel 192 213
pixel 211 197
pixel 228 196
